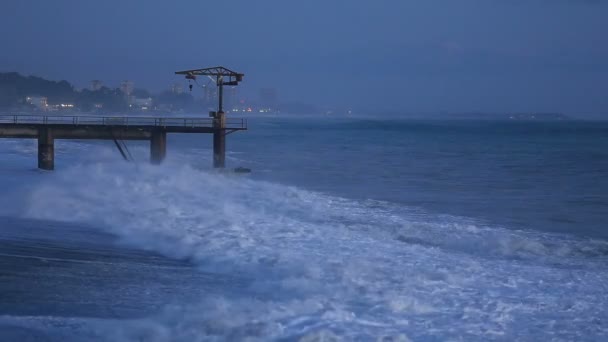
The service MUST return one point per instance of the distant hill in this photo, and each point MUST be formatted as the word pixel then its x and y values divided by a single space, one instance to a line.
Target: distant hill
pixel 14 88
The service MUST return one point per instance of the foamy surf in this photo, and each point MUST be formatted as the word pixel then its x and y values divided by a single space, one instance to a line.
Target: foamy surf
pixel 312 266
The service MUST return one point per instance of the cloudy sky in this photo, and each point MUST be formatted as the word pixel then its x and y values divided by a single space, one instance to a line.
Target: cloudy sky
pixel 414 56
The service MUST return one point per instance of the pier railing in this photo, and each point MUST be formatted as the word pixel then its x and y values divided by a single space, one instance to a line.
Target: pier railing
pixel 84 120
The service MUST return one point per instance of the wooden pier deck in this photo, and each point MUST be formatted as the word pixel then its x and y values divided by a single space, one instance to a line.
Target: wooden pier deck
pixel 47 128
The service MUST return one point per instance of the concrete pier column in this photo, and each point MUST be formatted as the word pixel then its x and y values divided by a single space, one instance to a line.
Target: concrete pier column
pixel 158 147
pixel 219 140
pixel 46 149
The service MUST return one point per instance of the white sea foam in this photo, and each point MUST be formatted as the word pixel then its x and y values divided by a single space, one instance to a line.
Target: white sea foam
pixel 312 266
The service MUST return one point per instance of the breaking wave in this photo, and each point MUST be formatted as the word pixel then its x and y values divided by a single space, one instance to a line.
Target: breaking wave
pixel 313 266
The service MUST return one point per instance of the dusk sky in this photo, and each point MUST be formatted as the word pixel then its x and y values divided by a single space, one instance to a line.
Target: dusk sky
pixel 414 56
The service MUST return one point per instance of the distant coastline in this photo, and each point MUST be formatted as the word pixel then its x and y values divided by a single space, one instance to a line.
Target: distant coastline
pixel 35 95
pixel 513 116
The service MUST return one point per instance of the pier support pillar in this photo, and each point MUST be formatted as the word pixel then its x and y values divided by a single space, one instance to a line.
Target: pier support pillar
pixel 46 149
pixel 158 147
pixel 219 140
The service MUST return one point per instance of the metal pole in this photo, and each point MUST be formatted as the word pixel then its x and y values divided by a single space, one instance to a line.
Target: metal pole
pixel 219 141
pixel 219 138
pixel 220 84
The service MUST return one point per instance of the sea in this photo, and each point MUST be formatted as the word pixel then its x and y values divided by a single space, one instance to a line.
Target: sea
pixel 361 228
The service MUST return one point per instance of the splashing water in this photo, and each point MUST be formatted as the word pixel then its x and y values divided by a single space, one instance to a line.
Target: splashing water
pixel 312 266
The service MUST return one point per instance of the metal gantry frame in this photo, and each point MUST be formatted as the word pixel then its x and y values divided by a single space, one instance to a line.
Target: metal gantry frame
pixel 222 76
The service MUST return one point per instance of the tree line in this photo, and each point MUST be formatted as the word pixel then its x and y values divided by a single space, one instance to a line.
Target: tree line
pixel 15 88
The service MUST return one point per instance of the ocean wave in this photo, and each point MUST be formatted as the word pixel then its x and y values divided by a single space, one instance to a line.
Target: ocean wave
pixel 317 265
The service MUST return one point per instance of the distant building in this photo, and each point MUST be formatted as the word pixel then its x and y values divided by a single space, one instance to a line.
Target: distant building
pixel 268 99
pixel 231 98
pixel 61 107
pixel 209 96
pixel 40 102
pixel 127 87
pixel 142 103
pixel 96 85
pixel 177 88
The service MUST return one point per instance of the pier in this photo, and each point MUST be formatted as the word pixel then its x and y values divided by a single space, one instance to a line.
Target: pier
pixel 48 128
